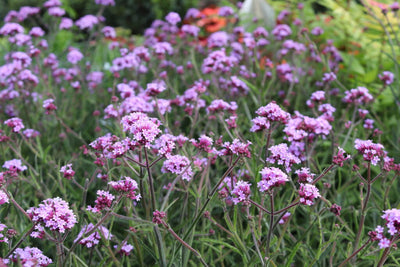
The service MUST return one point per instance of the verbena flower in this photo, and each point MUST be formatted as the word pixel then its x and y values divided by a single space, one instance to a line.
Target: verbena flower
pixel 53 213
pixel 236 148
pixel 14 165
pixel 371 152
pixel 103 201
pixel 273 113
pixel 143 128
pixel 94 238
pixel 126 186
pixel 204 143
pixel 271 177
pixel 241 192
pixel 178 164
pixel 125 248
pixel 158 216
pixel 359 95
pixel 3 197
pixel 305 176
pixel 308 193
pixel 173 18
pixel 281 31
pixel 87 22
pixel 386 77
pixel 281 155
pixel 15 123
pixel 105 2
pixel 74 56
pixel 29 256
pixel 67 171
pixel 340 157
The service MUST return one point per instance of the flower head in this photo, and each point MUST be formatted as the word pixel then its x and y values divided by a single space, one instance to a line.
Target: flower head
pixel 126 185
pixel 308 193
pixel 241 192
pixel 30 256
pixel 271 177
pixel 53 213
pixel 94 238
pixel 179 165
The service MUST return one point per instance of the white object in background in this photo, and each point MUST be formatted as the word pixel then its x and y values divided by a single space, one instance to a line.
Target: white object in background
pixel 258 9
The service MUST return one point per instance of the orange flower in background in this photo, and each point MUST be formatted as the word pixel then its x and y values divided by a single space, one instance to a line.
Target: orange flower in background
pixel 210 20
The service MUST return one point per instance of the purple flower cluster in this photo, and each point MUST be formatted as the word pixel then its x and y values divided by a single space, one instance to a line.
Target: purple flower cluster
pixel 271 177
pixel 14 165
pixel 143 128
pixel 359 95
pixel 273 113
pixel 53 213
pixel 67 171
pixel 281 155
pixel 241 192
pixel 94 238
pixel 126 186
pixel 180 165
pixel 308 193
pixel 3 197
pixel 104 201
pixel 29 256
pixel 305 176
pixel 392 218
pixel 371 152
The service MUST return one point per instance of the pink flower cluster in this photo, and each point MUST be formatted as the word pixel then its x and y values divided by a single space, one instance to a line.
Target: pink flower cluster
pixel 15 123
pixel 67 171
pixel 359 95
pixel 104 200
pixel 94 238
pixel 392 218
pixel 371 152
pixel 126 185
pixel 308 193
pixel 241 192
pixel 273 113
pixel 281 155
pixel 271 177
pixel 29 256
pixel 143 128
pixel 180 165
pixel 305 176
pixel 53 213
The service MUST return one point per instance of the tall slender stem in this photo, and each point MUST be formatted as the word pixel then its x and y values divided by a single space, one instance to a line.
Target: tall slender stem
pixel 271 221
pixel 152 194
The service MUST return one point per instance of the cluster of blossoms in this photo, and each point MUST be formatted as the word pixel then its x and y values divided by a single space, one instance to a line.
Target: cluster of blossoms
pixel 14 165
pixel 125 248
pixel 3 197
pixel 180 165
pixel 241 192
pixel 104 200
pixel 236 147
pixel 53 213
pixel 281 155
pixel 359 95
pixel 143 128
pixel 392 218
pixel 67 171
pixel 15 123
pixel 305 176
pixel 29 256
pixel 308 193
pixel 94 238
pixel 271 177
pixel 125 186
pixel 371 152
